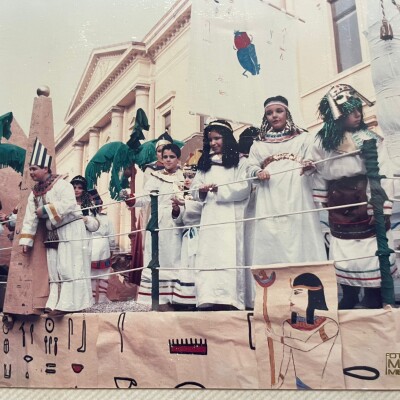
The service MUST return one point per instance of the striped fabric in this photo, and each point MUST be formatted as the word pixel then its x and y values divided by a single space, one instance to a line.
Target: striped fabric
pixel 40 156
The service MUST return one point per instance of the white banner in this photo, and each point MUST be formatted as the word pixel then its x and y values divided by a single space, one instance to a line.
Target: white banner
pixel 242 52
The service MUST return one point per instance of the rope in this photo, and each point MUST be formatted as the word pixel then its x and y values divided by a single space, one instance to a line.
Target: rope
pixel 5 248
pixel 192 269
pixel 94 237
pixel 212 224
pixel 267 216
pixel 97 276
pixel 276 173
pixel 196 269
pixel 383 9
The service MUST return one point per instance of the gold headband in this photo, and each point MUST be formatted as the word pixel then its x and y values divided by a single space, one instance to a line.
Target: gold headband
pixel 276 103
pixel 162 142
pixel 211 124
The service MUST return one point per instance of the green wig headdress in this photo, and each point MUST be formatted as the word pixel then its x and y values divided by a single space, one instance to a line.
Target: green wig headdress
pixel 335 106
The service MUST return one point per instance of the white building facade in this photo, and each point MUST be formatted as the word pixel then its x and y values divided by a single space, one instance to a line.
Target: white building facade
pixel 153 75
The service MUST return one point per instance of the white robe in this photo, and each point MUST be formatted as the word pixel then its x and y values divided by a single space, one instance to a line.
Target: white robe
pixel 222 245
pixel 362 272
pixel 189 214
pixel 101 251
pixel 72 258
pixel 292 238
pixel 169 241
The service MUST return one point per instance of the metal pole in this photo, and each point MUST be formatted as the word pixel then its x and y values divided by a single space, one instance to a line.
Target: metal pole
pixel 136 257
pixel 154 264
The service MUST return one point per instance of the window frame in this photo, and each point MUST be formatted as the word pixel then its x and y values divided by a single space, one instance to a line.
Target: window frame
pixel 335 18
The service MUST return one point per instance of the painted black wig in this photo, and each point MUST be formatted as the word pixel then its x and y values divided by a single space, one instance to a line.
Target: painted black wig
pixel 316 298
pixel 230 148
pixel 247 138
pixel 332 133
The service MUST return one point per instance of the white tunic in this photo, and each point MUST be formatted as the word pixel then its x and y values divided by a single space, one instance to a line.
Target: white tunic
pixel 101 253
pixel 288 238
pixel 222 244
pixel 354 272
pixel 101 246
pixel 72 258
pixel 189 215
pixel 169 241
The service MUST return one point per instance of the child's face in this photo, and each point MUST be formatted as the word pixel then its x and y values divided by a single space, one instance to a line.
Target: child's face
pixel 216 142
pixel 353 120
pixel 159 153
pixel 38 174
pixel 189 176
pixel 78 189
pixel 170 160
pixel 276 116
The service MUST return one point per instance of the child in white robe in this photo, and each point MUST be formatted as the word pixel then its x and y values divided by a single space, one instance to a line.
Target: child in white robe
pixel 68 260
pixel 276 158
pixel 221 245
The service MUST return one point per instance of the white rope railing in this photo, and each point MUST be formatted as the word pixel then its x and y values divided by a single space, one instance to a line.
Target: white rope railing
pixel 202 269
pixel 5 248
pixel 210 224
pixel 214 223
pixel 194 269
pixel 265 216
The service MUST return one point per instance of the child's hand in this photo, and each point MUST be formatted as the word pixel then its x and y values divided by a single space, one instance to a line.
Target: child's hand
pixel 263 175
pixel 308 165
pixel 177 202
pixel 210 187
pixel 130 201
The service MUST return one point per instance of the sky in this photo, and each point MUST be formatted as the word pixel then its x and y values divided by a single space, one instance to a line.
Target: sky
pixel 49 42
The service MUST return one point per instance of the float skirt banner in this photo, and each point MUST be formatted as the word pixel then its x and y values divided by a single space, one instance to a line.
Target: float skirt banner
pixel 131 350
pixel 242 51
pixel 298 343
pixel 371 348
pixel 227 349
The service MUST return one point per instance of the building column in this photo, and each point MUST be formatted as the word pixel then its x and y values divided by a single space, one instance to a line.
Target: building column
pixel 77 166
pixel 151 115
pixel 117 124
pixel 93 145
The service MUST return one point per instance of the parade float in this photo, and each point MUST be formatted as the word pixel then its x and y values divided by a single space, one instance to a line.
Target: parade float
pixel 262 348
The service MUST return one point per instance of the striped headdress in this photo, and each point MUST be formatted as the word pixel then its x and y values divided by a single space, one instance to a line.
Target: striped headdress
pixel 40 157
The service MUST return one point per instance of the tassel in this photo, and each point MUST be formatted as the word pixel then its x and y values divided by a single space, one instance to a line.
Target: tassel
pixel 386 30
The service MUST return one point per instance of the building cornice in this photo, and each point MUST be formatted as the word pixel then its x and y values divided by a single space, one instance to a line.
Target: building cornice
pixel 131 55
pixel 163 33
pixel 64 140
pixel 172 24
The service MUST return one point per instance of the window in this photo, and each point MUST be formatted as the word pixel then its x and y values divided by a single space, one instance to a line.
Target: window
pixel 163 115
pixel 347 36
pixel 167 121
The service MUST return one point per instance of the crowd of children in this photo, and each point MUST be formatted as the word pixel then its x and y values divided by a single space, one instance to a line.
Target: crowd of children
pixel 283 175
pixel 229 206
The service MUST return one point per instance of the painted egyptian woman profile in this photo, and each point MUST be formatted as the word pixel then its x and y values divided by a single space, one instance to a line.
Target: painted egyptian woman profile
pixel 307 338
